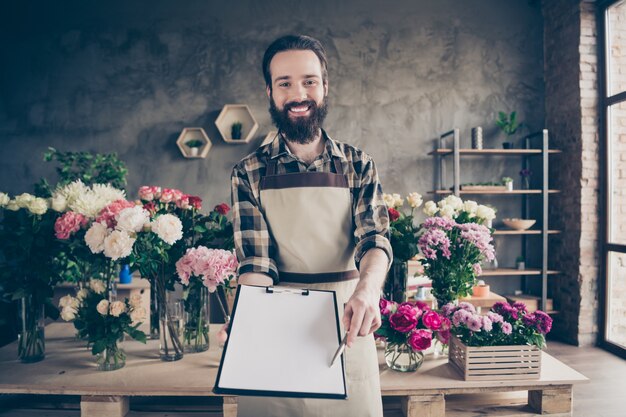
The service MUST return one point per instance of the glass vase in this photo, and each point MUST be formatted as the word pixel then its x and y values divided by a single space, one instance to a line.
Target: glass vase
pixel 154 312
pixel 111 358
pixel 401 357
pixel 396 282
pixel 170 325
pixel 196 317
pixel 31 346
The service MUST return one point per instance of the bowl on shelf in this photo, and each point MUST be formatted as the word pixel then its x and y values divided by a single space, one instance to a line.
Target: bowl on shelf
pixel 519 224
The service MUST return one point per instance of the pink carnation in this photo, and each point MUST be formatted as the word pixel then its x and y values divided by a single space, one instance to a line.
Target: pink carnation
pixel 69 224
pixel 474 323
pixel 507 328
pixel 420 339
pixel 109 213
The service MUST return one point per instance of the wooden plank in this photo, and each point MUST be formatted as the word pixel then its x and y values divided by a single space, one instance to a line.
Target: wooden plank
pixel 551 401
pixel 513 272
pixel 424 405
pixel 448 151
pixel 103 406
pixel 513 192
pixel 230 407
pixel 523 232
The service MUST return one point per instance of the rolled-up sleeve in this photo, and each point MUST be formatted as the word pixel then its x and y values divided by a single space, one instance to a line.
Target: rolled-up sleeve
pixel 253 244
pixel 370 214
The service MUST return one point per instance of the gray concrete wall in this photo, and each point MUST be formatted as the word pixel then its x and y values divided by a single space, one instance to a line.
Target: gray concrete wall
pixel 128 76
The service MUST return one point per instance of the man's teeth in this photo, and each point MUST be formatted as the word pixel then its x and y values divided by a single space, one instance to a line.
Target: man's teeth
pixel 300 109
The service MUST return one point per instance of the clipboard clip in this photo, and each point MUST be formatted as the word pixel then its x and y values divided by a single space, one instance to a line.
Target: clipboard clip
pixel 271 290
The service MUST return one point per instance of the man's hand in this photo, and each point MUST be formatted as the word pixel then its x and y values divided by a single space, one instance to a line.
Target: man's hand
pixel 361 314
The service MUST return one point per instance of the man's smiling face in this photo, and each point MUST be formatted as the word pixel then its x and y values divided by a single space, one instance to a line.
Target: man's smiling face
pixel 297 94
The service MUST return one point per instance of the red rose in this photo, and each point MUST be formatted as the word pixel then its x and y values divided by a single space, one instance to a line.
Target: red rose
pixel 432 320
pixel 196 202
pixel 222 209
pixel 393 214
pixel 151 207
pixel 404 320
pixel 420 339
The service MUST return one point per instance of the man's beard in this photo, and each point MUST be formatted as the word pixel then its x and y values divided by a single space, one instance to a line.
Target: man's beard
pixel 302 130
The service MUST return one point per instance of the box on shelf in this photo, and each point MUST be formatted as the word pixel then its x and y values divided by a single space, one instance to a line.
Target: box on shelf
pixel 533 303
pixel 495 362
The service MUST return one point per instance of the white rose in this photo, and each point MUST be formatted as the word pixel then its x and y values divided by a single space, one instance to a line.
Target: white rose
pixel 168 227
pixel 58 202
pixel 485 212
pixel 414 200
pixel 12 205
pixel 82 293
pixel 95 237
pixel 135 300
pixel 470 207
pixel 138 314
pixel 65 301
pixel 24 199
pixel 116 308
pixel 398 200
pixel 68 313
pixel 97 286
pixel 38 206
pixel 4 199
pixel 118 245
pixel 389 200
pixel 447 211
pixel 430 208
pixel 455 202
pixel 103 307
pixel 132 219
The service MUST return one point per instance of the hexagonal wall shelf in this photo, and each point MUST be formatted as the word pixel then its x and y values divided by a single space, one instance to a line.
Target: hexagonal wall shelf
pixel 269 137
pixel 231 114
pixel 194 136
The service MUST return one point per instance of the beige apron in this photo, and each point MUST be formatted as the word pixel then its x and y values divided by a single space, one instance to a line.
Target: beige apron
pixel 309 215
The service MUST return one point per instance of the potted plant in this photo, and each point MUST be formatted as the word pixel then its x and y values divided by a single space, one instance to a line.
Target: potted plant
pixel 194 146
pixel 509 125
pixel 508 181
pixel 235 130
pixel 520 262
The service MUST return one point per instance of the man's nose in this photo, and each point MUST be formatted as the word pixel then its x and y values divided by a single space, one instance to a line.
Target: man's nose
pixel 299 93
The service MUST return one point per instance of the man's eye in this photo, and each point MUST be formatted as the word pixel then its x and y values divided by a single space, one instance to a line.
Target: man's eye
pixel 283 85
pixel 310 82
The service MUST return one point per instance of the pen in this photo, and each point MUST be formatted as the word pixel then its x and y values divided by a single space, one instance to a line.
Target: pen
pixel 340 350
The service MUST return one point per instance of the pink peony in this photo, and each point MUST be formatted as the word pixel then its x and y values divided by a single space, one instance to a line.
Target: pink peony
pixel 404 320
pixel 385 306
pixel 420 339
pixel 432 320
pixel 108 213
pixel 444 336
pixel 69 224
pixel 213 266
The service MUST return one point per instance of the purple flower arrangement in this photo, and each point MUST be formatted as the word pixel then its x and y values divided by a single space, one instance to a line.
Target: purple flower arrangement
pixel 504 324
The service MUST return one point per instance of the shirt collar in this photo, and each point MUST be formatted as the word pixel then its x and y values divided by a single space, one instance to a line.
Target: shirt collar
pixel 279 148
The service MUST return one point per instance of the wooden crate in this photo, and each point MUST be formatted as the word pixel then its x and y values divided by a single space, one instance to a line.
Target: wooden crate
pixel 495 362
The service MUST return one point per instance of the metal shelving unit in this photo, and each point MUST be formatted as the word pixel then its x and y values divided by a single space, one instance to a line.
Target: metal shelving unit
pixel 440 154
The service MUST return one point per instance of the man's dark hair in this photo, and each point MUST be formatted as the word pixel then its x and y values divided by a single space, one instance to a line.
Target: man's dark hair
pixel 290 43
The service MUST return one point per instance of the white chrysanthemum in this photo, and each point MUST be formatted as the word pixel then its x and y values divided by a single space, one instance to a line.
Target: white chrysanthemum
pixel 414 200
pixel 23 200
pixel 4 199
pixel 97 286
pixel 430 208
pixel 68 313
pixel 447 211
pixel 108 193
pixel 485 212
pixel 118 244
pixel 132 219
pixel 168 227
pixel 38 206
pixel 135 300
pixel 138 314
pixel 58 203
pixel 87 204
pixel 116 308
pixel 389 200
pixel 103 307
pixel 95 237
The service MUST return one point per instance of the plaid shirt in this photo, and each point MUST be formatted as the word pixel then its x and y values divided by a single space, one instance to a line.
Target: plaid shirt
pixel 255 248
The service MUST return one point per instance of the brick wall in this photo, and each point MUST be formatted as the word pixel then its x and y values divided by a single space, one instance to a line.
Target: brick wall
pixel 570 63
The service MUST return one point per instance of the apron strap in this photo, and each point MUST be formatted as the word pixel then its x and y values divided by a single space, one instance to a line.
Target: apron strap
pixel 271 167
pixel 321 278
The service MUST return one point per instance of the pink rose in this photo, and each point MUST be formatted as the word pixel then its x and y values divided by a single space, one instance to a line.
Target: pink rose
pixel 405 319
pixel 109 213
pixel 68 224
pixel 146 193
pixel 167 195
pixel 420 339
pixel 432 320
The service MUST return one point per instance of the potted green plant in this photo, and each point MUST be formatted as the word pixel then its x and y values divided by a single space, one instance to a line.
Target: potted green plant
pixel 235 130
pixel 508 181
pixel 194 146
pixel 520 262
pixel 509 125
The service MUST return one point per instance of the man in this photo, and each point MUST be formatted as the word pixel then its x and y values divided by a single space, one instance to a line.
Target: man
pixel 308 212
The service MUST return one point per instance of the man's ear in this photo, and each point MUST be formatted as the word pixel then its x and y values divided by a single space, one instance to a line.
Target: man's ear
pixel 325 87
pixel 268 90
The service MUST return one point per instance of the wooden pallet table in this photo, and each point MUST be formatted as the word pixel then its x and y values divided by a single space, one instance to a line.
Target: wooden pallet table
pixel 69 369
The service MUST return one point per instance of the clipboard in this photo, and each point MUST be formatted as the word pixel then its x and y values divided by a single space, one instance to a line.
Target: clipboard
pixel 280 344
